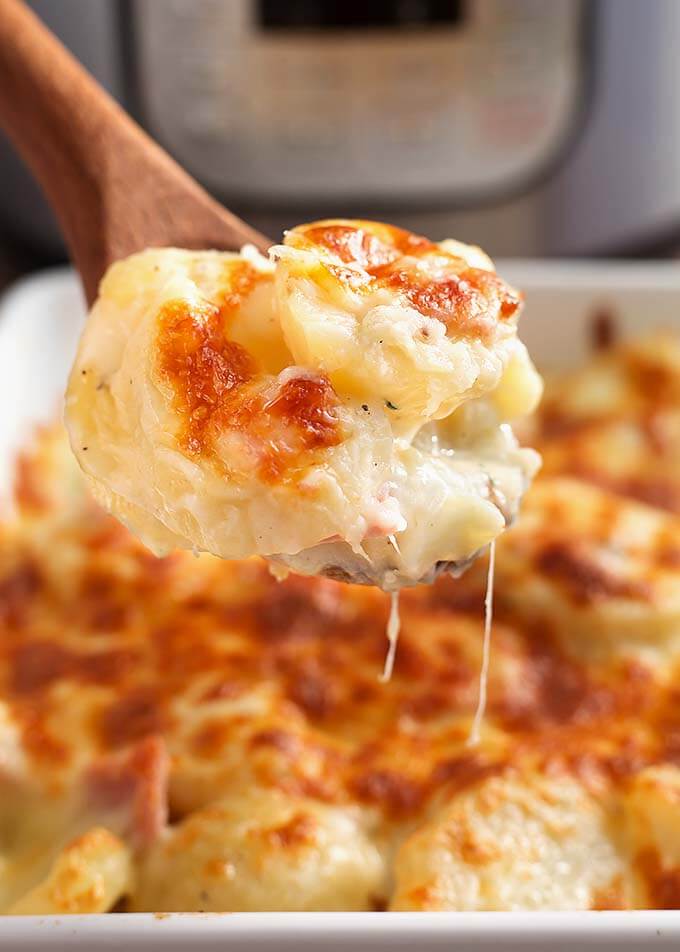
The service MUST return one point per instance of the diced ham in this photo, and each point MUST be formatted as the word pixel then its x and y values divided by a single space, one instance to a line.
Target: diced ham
pixel 133 787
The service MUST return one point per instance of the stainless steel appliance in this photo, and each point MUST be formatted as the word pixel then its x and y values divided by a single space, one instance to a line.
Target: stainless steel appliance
pixel 524 125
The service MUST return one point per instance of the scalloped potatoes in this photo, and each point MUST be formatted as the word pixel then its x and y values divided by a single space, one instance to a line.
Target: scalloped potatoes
pixel 133 689
pixel 342 409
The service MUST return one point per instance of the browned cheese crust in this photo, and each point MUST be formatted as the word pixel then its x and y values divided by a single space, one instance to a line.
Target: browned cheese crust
pixel 248 711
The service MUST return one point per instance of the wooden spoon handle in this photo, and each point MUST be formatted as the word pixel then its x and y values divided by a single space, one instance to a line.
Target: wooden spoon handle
pixel 113 189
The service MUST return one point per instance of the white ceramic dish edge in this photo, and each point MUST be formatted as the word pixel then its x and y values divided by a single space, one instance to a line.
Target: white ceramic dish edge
pixel 345 931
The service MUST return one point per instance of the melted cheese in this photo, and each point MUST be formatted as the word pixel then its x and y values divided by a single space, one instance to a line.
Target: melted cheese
pixel 616 422
pixel 479 851
pixel 393 628
pixel 228 404
pixel 136 688
pixel 476 731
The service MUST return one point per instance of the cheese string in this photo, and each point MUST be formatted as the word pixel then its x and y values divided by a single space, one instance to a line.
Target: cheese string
pixel 393 627
pixel 475 732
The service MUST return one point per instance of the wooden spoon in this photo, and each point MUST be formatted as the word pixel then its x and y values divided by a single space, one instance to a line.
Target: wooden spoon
pixel 113 189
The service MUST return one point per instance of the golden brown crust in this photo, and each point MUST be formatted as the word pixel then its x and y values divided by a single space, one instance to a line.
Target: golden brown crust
pixel 469 301
pixel 202 366
pixel 617 423
pixel 210 377
pixel 370 245
pixel 109 657
pixel 662 882
pixel 142 631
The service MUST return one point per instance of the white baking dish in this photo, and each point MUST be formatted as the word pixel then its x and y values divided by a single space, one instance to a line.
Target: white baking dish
pixel 39 321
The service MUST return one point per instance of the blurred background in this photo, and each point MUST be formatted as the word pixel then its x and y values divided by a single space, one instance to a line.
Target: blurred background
pixel 533 127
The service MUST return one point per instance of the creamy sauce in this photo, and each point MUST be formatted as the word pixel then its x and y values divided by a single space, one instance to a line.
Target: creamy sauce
pixel 475 731
pixel 393 627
